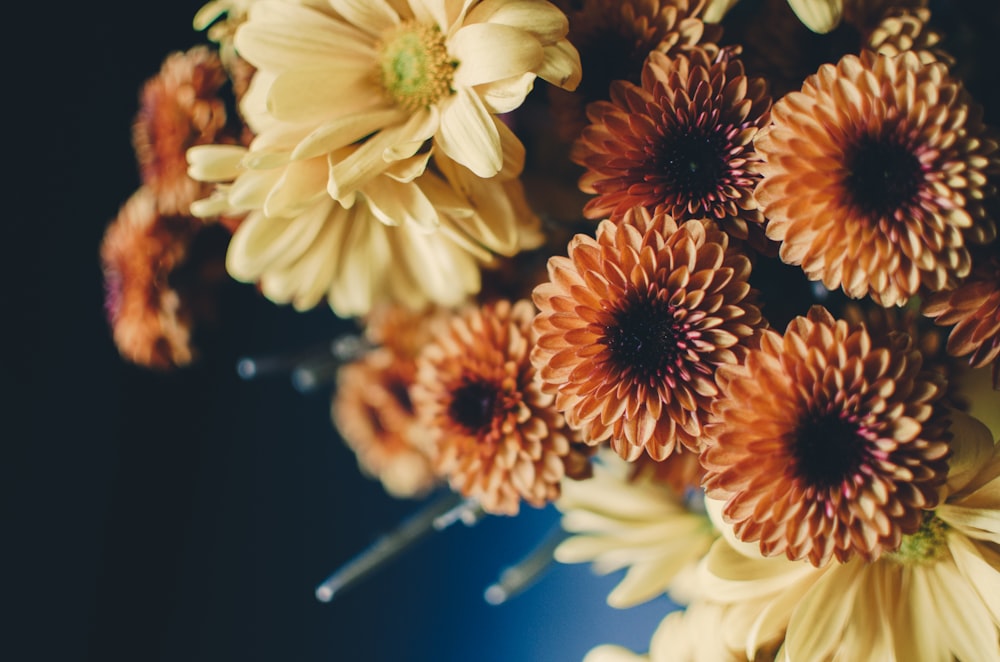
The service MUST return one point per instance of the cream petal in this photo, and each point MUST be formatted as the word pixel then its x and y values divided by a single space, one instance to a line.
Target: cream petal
pixel 487 52
pixel 372 16
pixel 561 66
pixel 970 633
pixel 253 104
pixel 971 447
pixel 917 641
pixel 395 203
pixel 304 281
pixel 495 221
pixel 210 11
pixel 319 95
pixel 280 137
pixel 975 522
pixel 716 9
pixel 431 264
pixel 250 189
pixel 299 186
pixel 503 96
pixel 344 131
pixel 446 14
pixel 260 242
pixel 406 170
pixel 362 263
pixel 729 576
pixel 216 204
pixel 543 20
pixel 818 623
pixel 469 135
pixel 421 127
pixel 284 35
pixel 351 172
pixel 820 16
pixel 215 163
pixel 980 566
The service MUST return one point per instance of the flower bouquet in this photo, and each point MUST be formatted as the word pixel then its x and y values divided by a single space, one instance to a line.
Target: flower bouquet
pixel 719 280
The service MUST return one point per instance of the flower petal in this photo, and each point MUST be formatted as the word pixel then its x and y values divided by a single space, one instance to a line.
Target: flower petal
pixel 468 134
pixel 488 52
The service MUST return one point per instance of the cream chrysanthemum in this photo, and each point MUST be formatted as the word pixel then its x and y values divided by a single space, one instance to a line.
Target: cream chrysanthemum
pixel 619 521
pixel 404 232
pixel 395 75
pixel 934 598
pixel 497 437
pixel 875 176
pixel 826 442
pixel 633 324
pixel 414 239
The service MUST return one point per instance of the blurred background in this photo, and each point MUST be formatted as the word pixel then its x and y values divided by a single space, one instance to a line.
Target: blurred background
pixel 190 516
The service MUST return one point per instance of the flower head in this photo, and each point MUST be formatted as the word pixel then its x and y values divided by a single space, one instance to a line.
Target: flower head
pixel 374 415
pixel 934 597
pixel 397 74
pixel 974 309
pixel 140 251
pixel 875 175
pixel 634 522
pixel 827 442
pixel 682 143
pixel 180 107
pixel 614 37
pixel 634 323
pixel 497 436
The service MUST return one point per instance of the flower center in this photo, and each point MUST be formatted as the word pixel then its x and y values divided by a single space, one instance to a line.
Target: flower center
pixel 883 176
pixel 645 339
pixel 413 65
pixel 692 164
pixel 927 545
pixel 828 450
pixel 472 406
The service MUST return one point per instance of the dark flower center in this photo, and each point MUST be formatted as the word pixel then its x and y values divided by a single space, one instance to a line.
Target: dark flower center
pixel 883 176
pixel 692 164
pixel 828 450
pixel 472 405
pixel 645 339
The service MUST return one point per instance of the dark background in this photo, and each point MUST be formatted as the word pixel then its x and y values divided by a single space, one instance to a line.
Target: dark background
pixel 189 516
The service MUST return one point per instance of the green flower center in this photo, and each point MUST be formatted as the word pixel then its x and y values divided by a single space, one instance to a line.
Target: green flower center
pixel 927 545
pixel 413 65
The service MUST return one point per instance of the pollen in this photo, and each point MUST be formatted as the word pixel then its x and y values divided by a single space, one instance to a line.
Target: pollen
pixel 414 68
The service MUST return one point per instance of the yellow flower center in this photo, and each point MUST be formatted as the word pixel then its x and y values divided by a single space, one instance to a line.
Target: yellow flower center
pixel 927 545
pixel 413 65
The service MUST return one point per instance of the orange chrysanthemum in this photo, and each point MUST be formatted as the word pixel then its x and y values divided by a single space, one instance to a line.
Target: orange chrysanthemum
pixel 140 251
pixel 374 415
pixel 633 325
pixel 613 38
pixel 681 144
pixel 974 309
pixel 180 107
pixel 497 435
pixel 875 175
pixel 827 442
